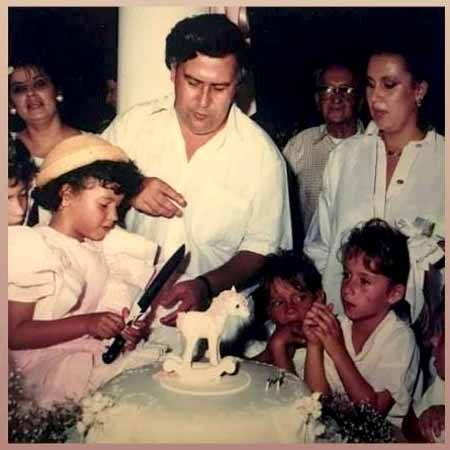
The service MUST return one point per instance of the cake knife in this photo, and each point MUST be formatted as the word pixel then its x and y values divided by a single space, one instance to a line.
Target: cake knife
pixel 141 306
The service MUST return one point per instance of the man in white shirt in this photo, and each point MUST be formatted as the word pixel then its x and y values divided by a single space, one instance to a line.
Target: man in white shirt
pixel 234 207
pixel 338 100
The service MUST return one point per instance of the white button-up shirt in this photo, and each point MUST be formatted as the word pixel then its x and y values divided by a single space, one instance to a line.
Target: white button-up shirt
pixel 235 185
pixel 354 191
pixel 389 360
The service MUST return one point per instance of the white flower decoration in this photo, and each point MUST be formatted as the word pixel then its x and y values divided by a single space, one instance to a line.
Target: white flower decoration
pixel 309 409
pixel 10 70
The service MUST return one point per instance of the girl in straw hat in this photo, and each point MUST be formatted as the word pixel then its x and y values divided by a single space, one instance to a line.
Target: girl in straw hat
pixel 59 274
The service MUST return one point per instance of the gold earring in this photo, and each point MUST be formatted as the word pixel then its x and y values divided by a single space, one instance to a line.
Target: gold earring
pixel 419 102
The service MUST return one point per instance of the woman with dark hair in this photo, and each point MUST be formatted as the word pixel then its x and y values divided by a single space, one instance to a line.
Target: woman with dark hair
pixel 395 171
pixel 35 97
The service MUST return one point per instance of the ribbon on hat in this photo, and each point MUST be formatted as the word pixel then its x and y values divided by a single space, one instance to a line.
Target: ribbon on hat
pixel 423 252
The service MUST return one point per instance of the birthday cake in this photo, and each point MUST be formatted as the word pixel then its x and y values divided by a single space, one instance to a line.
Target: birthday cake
pixel 214 401
pixel 135 407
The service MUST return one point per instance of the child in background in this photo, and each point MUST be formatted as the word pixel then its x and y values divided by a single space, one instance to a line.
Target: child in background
pixel 21 170
pixel 368 353
pixel 290 286
pixel 425 421
pixel 58 274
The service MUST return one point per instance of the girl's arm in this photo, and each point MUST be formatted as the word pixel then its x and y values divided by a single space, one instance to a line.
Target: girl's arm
pixel 283 343
pixel 24 333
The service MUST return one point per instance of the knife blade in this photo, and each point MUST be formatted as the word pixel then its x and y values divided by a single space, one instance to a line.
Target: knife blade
pixel 142 305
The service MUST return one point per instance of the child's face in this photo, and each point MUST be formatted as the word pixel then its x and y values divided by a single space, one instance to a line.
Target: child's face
pixel 439 354
pixel 89 213
pixel 288 304
pixel 366 295
pixel 17 202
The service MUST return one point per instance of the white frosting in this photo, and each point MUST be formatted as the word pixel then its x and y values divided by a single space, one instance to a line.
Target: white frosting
pixel 221 401
pixel 135 408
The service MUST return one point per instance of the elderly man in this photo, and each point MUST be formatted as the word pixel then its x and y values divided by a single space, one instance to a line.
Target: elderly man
pixel 307 153
pixel 224 192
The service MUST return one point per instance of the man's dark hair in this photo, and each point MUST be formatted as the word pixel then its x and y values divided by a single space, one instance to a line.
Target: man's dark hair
pixel 123 177
pixel 21 167
pixel 384 249
pixel 297 270
pixel 209 34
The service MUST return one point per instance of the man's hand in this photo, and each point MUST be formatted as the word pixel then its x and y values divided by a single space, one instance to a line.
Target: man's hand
pixel 188 294
pixel 157 198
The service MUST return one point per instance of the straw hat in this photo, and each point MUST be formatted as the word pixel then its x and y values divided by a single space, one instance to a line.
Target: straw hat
pixel 75 152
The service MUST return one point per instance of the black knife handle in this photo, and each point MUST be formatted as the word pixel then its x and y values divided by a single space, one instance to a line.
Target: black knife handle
pixel 114 350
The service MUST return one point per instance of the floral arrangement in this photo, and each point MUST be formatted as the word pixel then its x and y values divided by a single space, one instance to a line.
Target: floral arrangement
pixel 352 422
pixel 30 423
pixel 93 409
pixel 309 409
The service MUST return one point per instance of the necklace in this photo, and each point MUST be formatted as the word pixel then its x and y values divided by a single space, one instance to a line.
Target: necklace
pixel 394 154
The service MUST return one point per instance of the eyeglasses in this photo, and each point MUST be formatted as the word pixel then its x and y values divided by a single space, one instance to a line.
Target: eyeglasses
pixel 328 91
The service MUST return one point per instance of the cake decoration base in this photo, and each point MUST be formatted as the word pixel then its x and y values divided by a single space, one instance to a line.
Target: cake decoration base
pixel 225 385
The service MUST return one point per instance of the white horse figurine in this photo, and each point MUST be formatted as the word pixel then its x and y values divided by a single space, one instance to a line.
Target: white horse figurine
pixel 210 324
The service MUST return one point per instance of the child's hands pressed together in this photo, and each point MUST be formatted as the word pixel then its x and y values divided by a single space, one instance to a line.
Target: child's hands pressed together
pixel 104 325
pixel 320 323
pixel 310 325
pixel 432 422
pixel 310 330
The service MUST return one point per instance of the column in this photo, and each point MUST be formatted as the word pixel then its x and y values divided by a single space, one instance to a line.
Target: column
pixel 142 72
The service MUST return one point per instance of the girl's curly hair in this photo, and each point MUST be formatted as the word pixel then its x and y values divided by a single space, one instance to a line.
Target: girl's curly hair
pixel 123 177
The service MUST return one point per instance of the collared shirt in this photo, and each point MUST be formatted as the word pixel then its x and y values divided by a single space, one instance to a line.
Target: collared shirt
pixel 235 185
pixel 307 154
pixel 354 191
pixel 389 360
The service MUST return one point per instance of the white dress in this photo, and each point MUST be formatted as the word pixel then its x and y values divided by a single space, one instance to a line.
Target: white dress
pixel 65 277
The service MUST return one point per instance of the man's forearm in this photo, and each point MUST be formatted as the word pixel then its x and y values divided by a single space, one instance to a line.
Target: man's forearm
pixel 236 272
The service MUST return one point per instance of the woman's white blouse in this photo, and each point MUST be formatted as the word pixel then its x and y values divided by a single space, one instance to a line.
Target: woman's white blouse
pixel 354 191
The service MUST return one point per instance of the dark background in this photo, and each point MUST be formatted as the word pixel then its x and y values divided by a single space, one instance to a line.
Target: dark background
pixel 288 44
